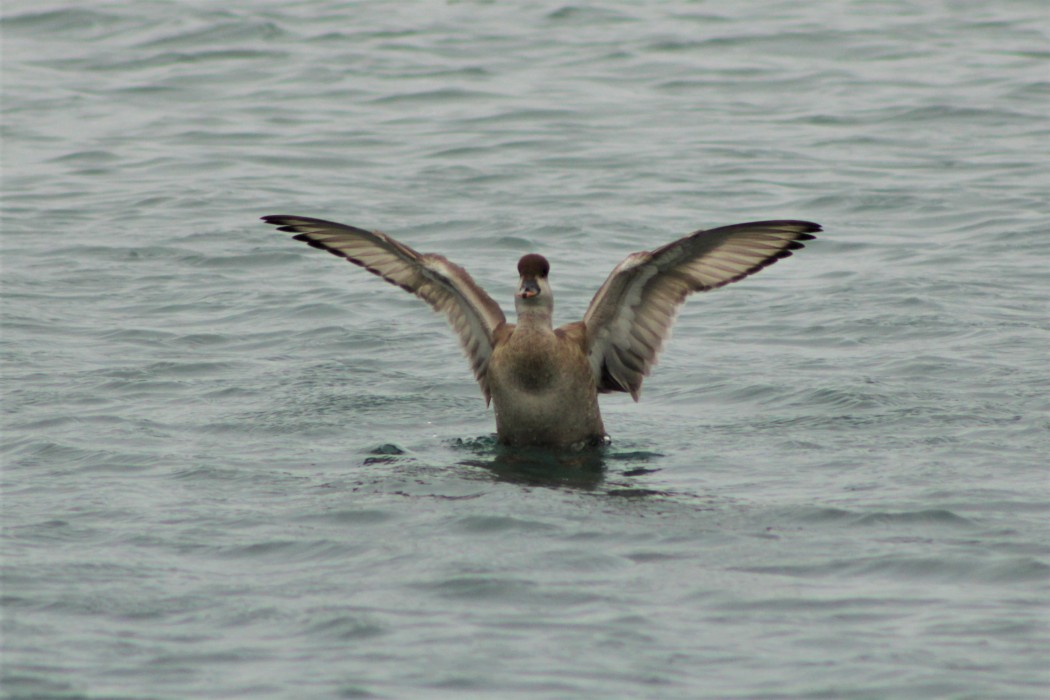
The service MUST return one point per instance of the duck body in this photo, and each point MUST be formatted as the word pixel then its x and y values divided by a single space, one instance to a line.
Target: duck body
pixel 543 390
pixel 543 381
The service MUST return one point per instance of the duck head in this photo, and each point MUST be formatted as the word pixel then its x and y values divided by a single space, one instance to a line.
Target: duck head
pixel 534 292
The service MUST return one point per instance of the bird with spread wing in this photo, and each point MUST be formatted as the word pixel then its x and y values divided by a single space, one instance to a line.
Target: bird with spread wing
pixel 544 381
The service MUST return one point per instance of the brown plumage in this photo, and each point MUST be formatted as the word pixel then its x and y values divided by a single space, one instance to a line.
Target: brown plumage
pixel 533 265
pixel 544 381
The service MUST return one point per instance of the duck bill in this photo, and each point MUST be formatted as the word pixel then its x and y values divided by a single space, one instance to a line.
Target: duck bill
pixel 529 289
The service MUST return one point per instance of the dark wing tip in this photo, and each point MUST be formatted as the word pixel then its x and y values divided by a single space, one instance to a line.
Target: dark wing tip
pixel 807 229
pixel 305 238
pixel 284 222
pixel 803 227
pixel 804 231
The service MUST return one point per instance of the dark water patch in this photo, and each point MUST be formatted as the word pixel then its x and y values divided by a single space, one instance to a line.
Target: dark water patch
pixel 158 372
pixel 447 72
pixel 353 517
pixel 613 454
pixel 143 388
pixel 923 517
pixel 199 340
pixel 480 588
pixel 92 157
pixel 500 148
pixel 290 551
pixel 461 152
pixel 1013 544
pixel 97 421
pixel 449 94
pixel 303 162
pixel 587 470
pixel 637 493
pixel 387 450
pixel 930 517
pixel 497 524
pixel 946 570
pixel 209 473
pixel 58 458
pixel 1024 627
pixel 1012 571
pixel 495 590
pixel 942 114
pixel 165 59
pixel 877 607
pixel 40 684
pixel 222 29
pixel 584 468
pixel 187 662
pixel 351 627
pixel 585 15
pixel 639 471
pixel 56 531
pixel 227 137
pixel 385 459
pixel 525 114
pixel 456 171
pixel 826 515
pixel 552 472
pixel 260 617
pixel 151 92
pixel 652 557
pixel 61 21
pixel 137 336
pixel 482 445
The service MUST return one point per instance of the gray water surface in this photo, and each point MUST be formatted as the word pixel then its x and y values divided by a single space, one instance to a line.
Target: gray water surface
pixel 235 466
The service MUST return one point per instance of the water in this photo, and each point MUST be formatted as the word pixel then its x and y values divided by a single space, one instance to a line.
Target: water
pixel 234 466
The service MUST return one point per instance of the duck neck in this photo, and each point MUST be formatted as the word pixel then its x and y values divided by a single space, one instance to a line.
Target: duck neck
pixel 533 316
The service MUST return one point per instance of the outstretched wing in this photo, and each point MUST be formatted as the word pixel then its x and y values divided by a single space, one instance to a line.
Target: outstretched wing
pixel 444 285
pixel 631 315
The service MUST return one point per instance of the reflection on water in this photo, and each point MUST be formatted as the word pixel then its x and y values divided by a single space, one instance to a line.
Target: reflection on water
pixel 538 467
pixel 535 466
pixel 587 469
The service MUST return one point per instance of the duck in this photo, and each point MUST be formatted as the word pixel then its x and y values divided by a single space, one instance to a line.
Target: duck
pixel 543 382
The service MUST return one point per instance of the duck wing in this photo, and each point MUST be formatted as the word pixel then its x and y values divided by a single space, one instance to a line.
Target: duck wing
pixel 447 287
pixel 631 315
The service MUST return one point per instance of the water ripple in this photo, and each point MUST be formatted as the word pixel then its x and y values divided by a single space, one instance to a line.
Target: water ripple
pixel 236 467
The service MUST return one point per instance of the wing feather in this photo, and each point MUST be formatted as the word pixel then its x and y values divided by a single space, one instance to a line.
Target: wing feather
pixel 445 286
pixel 630 317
